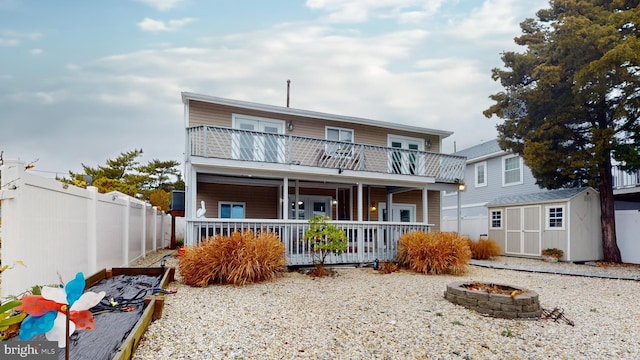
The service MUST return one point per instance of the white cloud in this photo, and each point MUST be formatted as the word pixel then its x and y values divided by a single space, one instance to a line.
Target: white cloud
pixel 161 5
pixel 36 52
pixel 14 38
pixel 9 42
pixel 152 25
pixel 349 11
pixel 495 18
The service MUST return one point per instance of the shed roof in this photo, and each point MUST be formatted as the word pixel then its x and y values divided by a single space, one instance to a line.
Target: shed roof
pixel 481 150
pixel 538 197
pixel 186 96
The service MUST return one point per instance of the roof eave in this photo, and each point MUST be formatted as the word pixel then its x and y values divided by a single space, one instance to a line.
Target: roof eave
pixel 186 96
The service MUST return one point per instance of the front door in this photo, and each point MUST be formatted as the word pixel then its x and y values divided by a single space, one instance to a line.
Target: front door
pixel 399 212
pixel 523 235
pixel 309 206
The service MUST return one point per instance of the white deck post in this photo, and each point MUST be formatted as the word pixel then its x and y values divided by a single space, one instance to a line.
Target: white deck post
pixel 359 232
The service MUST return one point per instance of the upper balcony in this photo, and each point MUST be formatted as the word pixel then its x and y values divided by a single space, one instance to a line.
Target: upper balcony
pixel 243 145
pixel 624 180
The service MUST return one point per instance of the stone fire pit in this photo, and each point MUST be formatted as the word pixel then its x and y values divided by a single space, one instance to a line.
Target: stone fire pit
pixel 501 301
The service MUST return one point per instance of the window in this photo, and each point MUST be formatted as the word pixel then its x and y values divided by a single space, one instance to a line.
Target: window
pixel 512 170
pixel 555 218
pixel 481 174
pixel 339 134
pixel 496 219
pixel 231 210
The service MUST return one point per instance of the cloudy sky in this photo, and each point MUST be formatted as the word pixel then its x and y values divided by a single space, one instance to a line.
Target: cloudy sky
pixel 83 81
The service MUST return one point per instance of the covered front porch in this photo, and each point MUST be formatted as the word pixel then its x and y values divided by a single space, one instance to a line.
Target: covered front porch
pixel 368 240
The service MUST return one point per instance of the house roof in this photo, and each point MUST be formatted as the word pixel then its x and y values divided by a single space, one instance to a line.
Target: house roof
pixel 538 197
pixel 186 96
pixel 481 151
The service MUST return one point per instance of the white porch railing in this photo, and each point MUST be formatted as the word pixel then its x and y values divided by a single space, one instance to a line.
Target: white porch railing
pixel 227 143
pixel 367 240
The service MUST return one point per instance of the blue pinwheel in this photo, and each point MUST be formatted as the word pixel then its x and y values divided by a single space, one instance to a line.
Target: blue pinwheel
pixel 47 312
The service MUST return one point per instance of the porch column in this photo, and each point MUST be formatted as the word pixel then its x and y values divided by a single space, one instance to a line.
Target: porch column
pixel 389 205
pixel 285 198
pixel 425 205
pixel 360 200
pixel 190 201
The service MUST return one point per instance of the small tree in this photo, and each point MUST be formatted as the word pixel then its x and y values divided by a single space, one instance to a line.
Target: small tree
pixel 325 239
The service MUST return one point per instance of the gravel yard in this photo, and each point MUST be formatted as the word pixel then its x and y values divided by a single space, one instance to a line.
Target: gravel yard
pixel 361 314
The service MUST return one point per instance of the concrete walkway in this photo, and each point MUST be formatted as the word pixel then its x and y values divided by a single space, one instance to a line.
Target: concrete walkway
pixel 550 270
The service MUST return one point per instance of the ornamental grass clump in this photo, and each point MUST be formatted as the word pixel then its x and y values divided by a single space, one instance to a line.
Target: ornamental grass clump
pixel 434 252
pixel 237 259
pixel 484 249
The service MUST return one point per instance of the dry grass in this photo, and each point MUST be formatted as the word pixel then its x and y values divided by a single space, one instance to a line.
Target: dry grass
pixel 388 267
pixel 434 252
pixel 484 249
pixel 237 259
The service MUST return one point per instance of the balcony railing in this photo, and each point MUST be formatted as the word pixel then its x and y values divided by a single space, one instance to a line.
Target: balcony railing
pixel 623 179
pixel 368 240
pixel 227 143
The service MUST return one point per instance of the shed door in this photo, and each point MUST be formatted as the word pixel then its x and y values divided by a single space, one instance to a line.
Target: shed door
pixel 523 230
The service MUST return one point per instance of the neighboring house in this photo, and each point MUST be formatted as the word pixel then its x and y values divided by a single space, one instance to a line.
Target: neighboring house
pixel 490 173
pixel 264 167
pixel 495 177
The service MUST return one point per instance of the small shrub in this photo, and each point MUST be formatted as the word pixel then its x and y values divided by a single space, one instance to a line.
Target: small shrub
pixel 434 252
pixel 484 249
pixel 237 259
pixel 387 267
pixel 507 332
pixel 325 239
pixel 553 252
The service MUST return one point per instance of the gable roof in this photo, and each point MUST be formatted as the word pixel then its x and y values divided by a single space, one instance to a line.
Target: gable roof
pixel 186 96
pixel 481 151
pixel 538 197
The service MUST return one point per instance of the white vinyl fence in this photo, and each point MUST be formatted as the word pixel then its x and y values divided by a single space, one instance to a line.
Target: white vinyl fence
pixel 627 226
pixel 58 230
pixel 470 226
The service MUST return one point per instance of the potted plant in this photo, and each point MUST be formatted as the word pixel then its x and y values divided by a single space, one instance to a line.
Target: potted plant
pixel 552 254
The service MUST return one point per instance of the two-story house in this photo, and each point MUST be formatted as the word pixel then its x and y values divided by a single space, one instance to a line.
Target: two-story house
pixel 263 167
pixel 502 201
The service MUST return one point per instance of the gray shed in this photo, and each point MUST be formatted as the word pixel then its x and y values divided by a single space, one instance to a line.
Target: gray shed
pixel 567 219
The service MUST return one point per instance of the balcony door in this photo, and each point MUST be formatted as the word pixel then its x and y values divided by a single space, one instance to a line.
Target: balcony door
pixel 405 162
pixel 257 143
